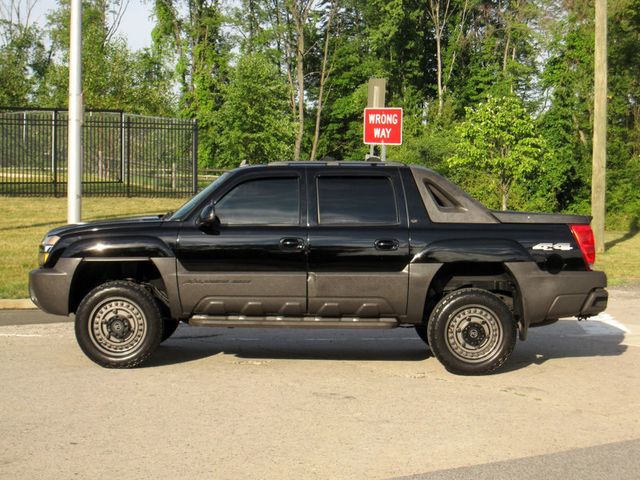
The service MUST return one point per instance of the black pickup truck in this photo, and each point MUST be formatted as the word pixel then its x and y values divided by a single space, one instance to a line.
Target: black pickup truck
pixel 323 245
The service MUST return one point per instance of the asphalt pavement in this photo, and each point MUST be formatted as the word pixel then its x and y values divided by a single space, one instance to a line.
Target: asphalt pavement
pixel 236 403
pixel 616 461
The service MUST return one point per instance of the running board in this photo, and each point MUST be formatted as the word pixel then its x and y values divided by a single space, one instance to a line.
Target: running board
pixel 291 322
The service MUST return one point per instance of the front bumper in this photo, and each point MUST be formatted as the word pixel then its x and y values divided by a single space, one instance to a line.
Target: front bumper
pixel 49 288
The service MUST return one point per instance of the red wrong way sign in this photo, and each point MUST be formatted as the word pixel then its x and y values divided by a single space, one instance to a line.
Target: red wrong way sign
pixel 383 126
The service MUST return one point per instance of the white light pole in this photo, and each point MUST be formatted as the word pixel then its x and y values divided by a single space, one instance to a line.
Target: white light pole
pixel 74 161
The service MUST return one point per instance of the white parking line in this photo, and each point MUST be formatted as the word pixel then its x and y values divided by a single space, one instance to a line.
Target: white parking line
pixel 366 339
pixel 20 335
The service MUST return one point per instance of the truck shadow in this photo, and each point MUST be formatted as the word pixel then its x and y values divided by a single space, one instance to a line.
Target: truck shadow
pixel 192 343
pixel 565 339
pixel 568 339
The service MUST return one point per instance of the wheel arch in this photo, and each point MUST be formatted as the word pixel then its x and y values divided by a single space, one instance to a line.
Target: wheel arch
pixel 156 273
pixel 494 277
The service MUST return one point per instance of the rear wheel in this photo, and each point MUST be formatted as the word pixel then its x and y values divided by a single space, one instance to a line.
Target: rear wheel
pixel 471 331
pixel 118 324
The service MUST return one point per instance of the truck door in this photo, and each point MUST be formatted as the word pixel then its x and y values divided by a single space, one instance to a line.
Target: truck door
pixel 358 242
pixel 254 262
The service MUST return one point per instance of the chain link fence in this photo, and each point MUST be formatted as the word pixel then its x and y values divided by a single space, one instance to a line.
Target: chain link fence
pixel 123 154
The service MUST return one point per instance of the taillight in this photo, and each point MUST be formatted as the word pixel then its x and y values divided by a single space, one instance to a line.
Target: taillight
pixel 586 242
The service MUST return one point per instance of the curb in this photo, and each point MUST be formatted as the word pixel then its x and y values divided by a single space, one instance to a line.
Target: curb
pixel 17 304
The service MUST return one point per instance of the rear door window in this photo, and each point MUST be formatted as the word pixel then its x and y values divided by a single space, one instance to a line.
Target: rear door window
pixel 356 200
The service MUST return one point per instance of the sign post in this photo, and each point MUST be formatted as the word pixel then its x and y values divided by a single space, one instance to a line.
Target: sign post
pixel 382 126
pixel 377 89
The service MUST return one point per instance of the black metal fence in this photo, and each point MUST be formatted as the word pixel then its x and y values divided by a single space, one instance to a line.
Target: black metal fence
pixel 122 154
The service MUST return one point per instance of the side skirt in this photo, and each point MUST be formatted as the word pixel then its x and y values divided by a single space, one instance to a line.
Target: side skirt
pixel 291 322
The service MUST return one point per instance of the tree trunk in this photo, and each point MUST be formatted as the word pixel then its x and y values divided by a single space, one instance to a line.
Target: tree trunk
pixel 438 32
pixel 252 25
pixel 434 12
pixel 452 61
pixel 439 55
pixel 505 186
pixel 324 76
pixel 300 12
pixel 505 54
pixel 300 82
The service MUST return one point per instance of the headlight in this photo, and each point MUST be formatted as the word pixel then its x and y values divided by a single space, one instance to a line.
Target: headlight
pixel 45 248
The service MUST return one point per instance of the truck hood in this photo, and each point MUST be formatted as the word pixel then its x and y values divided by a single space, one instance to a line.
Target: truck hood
pixel 102 225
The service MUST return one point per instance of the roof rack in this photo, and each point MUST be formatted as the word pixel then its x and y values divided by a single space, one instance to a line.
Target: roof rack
pixel 371 161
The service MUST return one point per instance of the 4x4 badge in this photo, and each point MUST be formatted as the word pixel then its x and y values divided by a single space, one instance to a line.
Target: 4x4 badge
pixel 547 247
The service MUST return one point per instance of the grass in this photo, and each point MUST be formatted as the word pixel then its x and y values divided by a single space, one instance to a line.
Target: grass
pixel 621 260
pixel 25 221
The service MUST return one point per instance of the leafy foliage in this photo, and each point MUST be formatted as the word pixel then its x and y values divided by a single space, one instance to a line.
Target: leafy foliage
pixel 499 138
pixel 255 125
pixel 248 70
pixel 22 55
pixel 114 77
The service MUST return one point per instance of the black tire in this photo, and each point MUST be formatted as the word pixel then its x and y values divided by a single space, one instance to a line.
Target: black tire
pixel 423 333
pixel 118 324
pixel 471 331
pixel 169 326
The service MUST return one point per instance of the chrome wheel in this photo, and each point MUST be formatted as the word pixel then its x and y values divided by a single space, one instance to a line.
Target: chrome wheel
pixel 474 334
pixel 117 326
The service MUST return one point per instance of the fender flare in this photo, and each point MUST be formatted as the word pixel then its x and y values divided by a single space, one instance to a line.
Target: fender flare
pixel 138 246
pixel 426 265
pixel 484 250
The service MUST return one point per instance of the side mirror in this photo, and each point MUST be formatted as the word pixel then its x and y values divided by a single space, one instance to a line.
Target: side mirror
pixel 207 217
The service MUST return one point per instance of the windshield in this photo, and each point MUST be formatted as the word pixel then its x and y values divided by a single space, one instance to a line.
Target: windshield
pixel 197 199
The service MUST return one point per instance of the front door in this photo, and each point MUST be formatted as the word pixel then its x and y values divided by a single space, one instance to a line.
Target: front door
pixel 358 243
pixel 254 262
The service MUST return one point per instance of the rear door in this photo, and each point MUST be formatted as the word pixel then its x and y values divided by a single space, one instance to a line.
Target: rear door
pixel 358 242
pixel 254 262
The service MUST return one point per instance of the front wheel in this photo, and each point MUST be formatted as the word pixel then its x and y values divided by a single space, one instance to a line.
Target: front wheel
pixel 471 331
pixel 118 324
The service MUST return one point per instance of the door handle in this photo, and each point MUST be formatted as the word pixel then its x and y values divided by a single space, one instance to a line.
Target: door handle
pixel 291 243
pixel 386 244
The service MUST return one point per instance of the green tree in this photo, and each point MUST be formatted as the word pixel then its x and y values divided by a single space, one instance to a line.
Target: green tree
pixel 623 136
pixel 567 81
pixel 190 35
pixel 114 77
pixel 23 56
pixel 499 138
pixel 255 123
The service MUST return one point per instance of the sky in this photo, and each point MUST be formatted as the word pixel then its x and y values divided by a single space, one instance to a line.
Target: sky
pixel 136 24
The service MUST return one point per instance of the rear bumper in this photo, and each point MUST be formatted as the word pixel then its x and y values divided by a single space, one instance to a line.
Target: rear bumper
pixel 49 288
pixel 595 303
pixel 548 296
pixel 585 304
